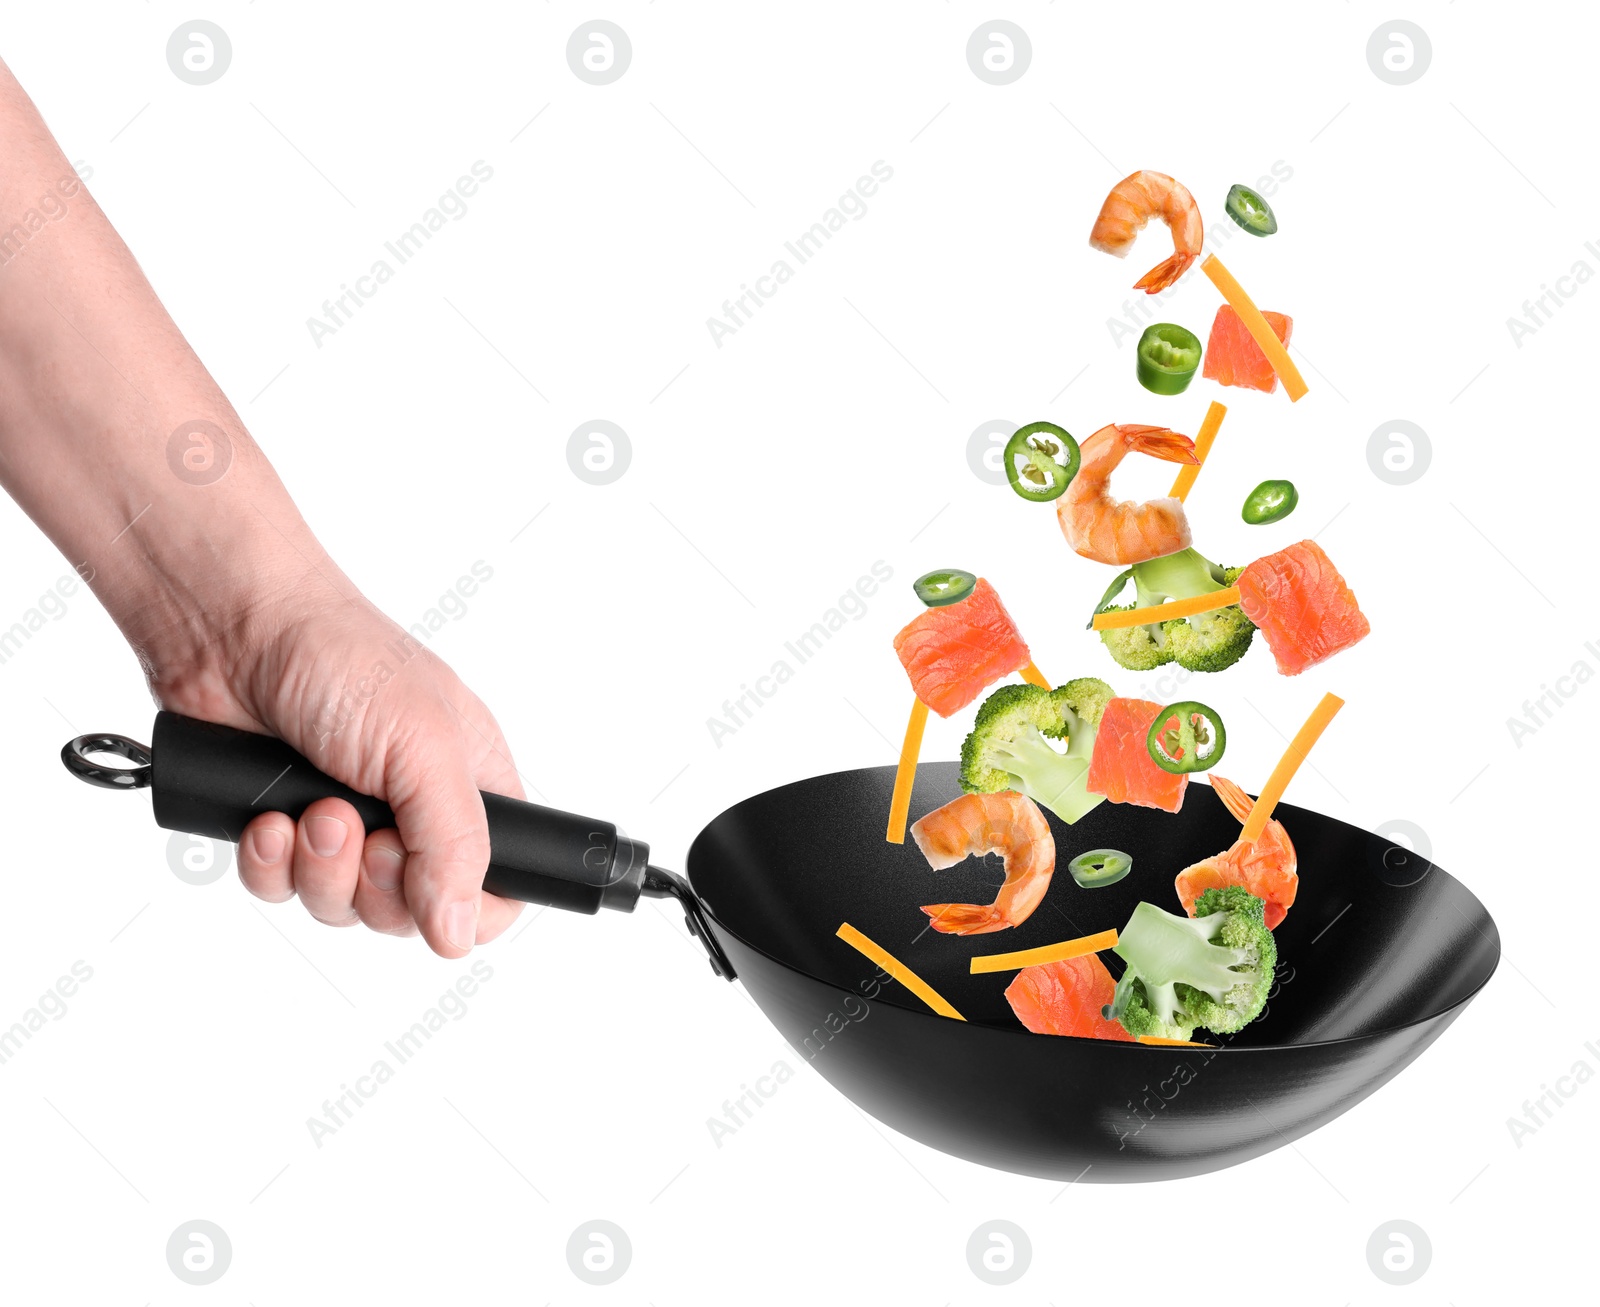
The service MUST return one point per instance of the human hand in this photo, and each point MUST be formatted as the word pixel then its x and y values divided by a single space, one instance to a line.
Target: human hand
pixel 371 707
pixel 237 613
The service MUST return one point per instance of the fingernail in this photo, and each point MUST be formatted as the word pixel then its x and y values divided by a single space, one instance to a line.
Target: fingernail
pixel 268 844
pixel 326 835
pixel 384 866
pixel 461 924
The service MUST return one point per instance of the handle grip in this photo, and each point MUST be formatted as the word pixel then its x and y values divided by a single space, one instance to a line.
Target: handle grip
pixel 211 780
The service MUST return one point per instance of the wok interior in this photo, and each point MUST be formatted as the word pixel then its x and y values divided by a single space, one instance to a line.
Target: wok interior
pixel 1376 939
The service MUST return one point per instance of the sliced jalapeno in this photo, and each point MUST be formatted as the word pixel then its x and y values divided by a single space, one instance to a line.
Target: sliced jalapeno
pixel 1271 501
pixel 1251 212
pixel 1100 867
pixel 1186 737
pixel 1167 358
pixel 948 586
pixel 1041 459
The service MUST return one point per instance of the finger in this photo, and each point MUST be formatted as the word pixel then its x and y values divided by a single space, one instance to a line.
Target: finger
pixel 380 893
pixel 441 821
pixel 327 860
pixel 264 861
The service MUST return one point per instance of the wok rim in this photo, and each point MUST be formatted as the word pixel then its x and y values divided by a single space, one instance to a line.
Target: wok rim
pixel 922 1012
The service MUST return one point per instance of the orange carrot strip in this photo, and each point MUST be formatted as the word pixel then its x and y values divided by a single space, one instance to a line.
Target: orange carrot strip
pixel 1202 446
pixel 900 804
pixel 1165 612
pixel 1256 325
pixel 1033 676
pixel 898 969
pixel 1284 772
pixel 1033 957
pixel 1172 1043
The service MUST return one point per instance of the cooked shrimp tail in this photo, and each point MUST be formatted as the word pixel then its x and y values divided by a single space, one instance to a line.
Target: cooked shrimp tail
pixel 966 918
pixel 1164 273
pixel 1158 442
pixel 1233 798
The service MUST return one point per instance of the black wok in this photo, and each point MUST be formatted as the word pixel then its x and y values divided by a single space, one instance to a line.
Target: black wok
pixel 1379 954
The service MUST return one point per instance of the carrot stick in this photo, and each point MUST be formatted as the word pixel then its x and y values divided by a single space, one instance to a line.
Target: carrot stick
pixel 1202 446
pixel 900 804
pixel 898 969
pixel 1256 325
pixel 1033 676
pixel 1284 772
pixel 1172 1043
pixel 1165 612
pixel 1032 957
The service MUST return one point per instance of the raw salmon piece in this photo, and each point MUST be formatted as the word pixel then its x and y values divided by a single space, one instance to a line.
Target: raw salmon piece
pixel 1302 605
pixel 952 653
pixel 1232 356
pixel 1065 998
pixel 1121 767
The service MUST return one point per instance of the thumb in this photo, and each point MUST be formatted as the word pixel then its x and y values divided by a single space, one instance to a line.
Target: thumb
pixel 439 815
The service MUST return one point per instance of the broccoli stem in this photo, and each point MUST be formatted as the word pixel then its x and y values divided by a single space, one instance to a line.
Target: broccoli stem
pixel 1165 949
pixel 1181 575
pixel 1057 780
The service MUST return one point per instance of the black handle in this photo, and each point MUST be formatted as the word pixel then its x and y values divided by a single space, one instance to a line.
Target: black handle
pixel 211 780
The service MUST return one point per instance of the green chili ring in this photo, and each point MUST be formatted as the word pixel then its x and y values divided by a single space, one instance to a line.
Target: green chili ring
pixel 1271 501
pixel 948 585
pixel 1167 358
pixel 1178 750
pixel 1250 211
pixel 1100 867
pixel 1042 475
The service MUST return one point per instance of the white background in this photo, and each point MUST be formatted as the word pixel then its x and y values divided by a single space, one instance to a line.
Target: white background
pixel 766 476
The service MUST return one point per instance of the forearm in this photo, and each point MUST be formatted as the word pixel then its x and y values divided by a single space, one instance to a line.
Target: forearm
pixel 180 528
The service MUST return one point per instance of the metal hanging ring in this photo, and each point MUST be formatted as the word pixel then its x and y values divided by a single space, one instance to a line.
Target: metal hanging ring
pixel 75 756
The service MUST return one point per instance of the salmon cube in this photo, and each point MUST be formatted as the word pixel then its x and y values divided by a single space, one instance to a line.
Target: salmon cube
pixel 1121 767
pixel 953 652
pixel 1302 605
pixel 1065 998
pixel 1232 356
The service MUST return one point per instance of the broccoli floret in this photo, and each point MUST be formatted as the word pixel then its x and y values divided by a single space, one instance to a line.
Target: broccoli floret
pixel 1245 930
pixel 1010 713
pixel 1083 702
pixel 1129 1007
pixel 1009 746
pixel 1207 642
pixel 1138 648
pixel 1212 970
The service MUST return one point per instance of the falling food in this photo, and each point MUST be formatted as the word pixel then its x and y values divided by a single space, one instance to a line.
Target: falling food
pixel 1133 202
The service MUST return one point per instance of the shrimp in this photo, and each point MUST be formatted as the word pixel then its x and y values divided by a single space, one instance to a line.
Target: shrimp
pixel 1007 823
pixel 1135 200
pixel 1099 527
pixel 1265 868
